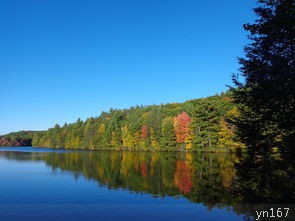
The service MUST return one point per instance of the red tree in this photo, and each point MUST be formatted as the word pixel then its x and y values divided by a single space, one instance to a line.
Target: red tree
pixel 144 132
pixel 181 126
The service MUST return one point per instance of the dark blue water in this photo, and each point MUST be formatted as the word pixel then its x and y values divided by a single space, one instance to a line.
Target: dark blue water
pixel 44 184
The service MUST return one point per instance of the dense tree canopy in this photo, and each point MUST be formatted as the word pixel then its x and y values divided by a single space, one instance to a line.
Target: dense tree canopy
pixel 192 125
pixel 266 98
pixel 21 138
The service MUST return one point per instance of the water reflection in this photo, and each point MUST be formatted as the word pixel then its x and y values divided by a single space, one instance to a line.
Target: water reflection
pixel 266 179
pixel 210 179
pixel 204 178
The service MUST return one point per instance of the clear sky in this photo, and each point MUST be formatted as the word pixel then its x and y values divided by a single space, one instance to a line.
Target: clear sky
pixel 65 59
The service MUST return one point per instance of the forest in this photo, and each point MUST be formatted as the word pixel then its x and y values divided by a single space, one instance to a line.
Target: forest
pixel 208 178
pixel 257 113
pixel 21 138
pixel 200 124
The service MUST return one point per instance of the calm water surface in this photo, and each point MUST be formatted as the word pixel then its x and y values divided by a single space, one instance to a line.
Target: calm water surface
pixel 44 184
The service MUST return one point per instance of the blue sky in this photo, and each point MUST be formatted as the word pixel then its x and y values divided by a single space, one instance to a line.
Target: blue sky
pixel 65 59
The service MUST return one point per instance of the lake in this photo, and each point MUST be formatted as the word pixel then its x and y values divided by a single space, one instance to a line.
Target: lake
pixel 46 184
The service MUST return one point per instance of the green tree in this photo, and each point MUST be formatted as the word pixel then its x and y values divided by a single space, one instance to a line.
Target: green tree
pixel 266 98
pixel 168 140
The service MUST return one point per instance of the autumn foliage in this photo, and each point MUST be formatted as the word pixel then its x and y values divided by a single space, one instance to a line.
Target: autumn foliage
pixel 182 127
pixel 144 132
pixel 190 126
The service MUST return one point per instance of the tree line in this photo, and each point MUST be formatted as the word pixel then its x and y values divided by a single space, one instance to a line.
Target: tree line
pixel 21 138
pixel 200 124
pixel 261 115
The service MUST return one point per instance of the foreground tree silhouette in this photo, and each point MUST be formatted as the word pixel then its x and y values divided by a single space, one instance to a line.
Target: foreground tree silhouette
pixel 266 97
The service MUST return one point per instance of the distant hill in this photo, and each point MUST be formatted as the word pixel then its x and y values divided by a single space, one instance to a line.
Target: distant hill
pixel 15 139
pixel 200 124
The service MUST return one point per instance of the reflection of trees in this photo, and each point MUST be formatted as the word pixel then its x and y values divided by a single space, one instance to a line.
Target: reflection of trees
pixel 211 179
pixel 264 180
pixel 268 178
pixel 199 177
pixel 183 176
pixel 213 176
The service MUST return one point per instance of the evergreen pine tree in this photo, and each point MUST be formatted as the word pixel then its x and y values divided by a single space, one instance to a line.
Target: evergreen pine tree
pixel 266 97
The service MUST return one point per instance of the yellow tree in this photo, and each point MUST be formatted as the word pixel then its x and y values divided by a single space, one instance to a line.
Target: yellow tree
pixel 137 140
pixel 127 137
pixel 101 139
pixel 154 143
pixel 226 135
pixel 188 140
pixel 116 139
